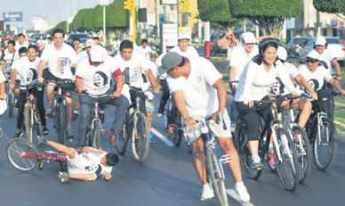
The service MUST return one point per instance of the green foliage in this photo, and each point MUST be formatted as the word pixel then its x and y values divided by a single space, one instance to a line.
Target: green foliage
pixel 330 6
pixel 216 11
pixel 270 8
pixel 61 25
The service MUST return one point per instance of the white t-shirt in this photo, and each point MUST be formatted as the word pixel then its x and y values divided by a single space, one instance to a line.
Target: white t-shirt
pixel 10 57
pixel 327 57
pixel 26 70
pixel 60 60
pixel 87 163
pixel 256 82
pixel 239 58
pixel 319 76
pixel 19 46
pixel 190 53
pixel 143 52
pixel 97 79
pixel 200 95
pixel 133 70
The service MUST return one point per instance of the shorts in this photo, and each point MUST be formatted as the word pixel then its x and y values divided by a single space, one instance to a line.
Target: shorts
pixel 150 106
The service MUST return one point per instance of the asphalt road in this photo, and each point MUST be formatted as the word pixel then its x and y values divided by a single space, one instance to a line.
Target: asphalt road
pixel 166 178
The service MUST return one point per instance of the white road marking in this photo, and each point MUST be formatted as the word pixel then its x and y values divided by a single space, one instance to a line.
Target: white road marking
pixel 162 137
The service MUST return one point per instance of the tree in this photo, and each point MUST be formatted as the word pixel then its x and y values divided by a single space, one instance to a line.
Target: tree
pixel 215 11
pixel 267 14
pixel 330 6
pixel 61 25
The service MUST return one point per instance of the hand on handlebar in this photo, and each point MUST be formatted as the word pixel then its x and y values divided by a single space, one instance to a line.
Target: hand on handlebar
pixel 190 122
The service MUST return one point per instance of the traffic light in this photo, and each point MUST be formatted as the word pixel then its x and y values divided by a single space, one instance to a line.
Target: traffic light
pixel 129 4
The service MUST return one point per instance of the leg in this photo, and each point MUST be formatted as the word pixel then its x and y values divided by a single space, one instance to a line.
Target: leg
pixel 50 93
pixel 20 117
pixel 85 108
pixel 306 109
pixel 199 160
pixel 68 151
pixel 120 112
pixel 40 106
pixel 164 97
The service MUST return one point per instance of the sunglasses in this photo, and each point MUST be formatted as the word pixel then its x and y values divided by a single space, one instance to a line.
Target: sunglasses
pixel 311 60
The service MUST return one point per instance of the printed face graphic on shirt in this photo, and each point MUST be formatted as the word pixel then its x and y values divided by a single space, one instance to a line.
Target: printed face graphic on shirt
pixel 314 84
pixel 31 75
pixel 63 63
pixel 100 79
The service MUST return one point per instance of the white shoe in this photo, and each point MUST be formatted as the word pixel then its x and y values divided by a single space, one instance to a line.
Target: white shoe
pixel 207 192
pixel 239 193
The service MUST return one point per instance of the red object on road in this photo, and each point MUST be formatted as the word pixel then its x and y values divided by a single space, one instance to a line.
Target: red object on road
pixel 207 49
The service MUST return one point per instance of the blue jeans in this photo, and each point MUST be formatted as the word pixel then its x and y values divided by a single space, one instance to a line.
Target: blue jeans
pixel 119 110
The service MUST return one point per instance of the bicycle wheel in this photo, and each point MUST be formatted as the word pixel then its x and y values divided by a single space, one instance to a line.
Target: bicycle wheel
pixel 286 169
pixel 28 122
pixel 21 155
pixel 216 177
pixel 324 146
pixel 140 141
pixel 60 122
pixel 303 153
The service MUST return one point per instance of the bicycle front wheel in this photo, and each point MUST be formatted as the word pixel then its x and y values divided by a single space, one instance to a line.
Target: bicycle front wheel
pixel 286 167
pixel 216 177
pixel 140 141
pixel 21 154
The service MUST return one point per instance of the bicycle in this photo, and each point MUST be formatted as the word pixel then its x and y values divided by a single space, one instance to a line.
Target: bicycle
pixel 301 142
pixel 134 129
pixel 321 130
pixel 275 134
pixel 24 157
pixel 60 108
pixel 174 120
pixel 95 128
pixel 214 164
pixel 31 114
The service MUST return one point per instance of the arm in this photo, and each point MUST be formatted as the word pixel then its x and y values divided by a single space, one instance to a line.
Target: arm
pixel 221 92
pixel 301 81
pixel 41 68
pixel 2 91
pixel 117 75
pixel 337 67
pixel 13 78
pixel 79 84
pixel 91 149
pixel 83 177
pixel 182 108
pixel 153 80
pixel 336 84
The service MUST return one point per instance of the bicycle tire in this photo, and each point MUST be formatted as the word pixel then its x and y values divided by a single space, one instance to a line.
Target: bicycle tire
pixel 303 156
pixel 15 149
pixel 216 178
pixel 140 141
pixel 61 119
pixel 326 129
pixel 286 168
pixel 28 122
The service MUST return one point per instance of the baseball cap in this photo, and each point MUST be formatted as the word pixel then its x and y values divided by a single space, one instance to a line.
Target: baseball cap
pixel 170 61
pixel 182 36
pixel 321 41
pixel 314 55
pixel 248 38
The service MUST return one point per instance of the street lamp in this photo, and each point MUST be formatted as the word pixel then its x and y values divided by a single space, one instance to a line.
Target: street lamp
pixel 104 3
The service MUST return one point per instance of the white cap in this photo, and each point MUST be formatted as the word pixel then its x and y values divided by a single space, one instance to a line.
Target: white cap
pixel 314 55
pixel 3 106
pixel 282 53
pixel 321 40
pixel 98 53
pixel 248 38
pixel 182 36
pixel 90 43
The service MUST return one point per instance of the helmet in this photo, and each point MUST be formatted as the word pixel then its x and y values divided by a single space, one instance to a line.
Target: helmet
pixel 268 42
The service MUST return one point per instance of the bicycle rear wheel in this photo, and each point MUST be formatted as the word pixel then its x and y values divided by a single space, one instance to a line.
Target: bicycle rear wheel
pixel 216 177
pixel 324 146
pixel 140 141
pixel 286 169
pixel 303 153
pixel 21 155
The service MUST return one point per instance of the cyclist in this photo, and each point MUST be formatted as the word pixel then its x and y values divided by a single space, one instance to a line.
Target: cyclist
pixel 239 58
pixel 76 45
pixel 144 49
pixel 199 93
pixel 3 103
pixel 86 163
pixel 10 54
pixel 21 42
pixel 140 74
pixel 255 83
pixel 59 57
pixel 94 78
pixel 26 70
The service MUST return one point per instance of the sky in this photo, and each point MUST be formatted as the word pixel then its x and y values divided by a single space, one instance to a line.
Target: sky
pixel 52 10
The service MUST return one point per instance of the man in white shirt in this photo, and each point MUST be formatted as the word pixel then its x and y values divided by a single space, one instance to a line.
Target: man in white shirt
pixel 94 77
pixel 184 48
pixel 21 41
pixel 138 73
pixel 200 94
pixel 26 70
pixel 10 55
pixel 59 58
pixel 3 103
pixel 144 50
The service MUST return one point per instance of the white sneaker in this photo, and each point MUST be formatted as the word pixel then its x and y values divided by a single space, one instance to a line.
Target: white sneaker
pixel 240 193
pixel 207 192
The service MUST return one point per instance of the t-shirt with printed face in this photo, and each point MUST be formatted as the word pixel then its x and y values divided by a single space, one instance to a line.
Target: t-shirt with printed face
pixel 97 79
pixel 60 60
pixel 26 70
pixel 316 78
pixel 199 93
pixel 133 70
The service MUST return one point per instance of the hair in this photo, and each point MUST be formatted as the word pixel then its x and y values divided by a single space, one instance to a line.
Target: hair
pixel 33 47
pixel 58 31
pixel 22 50
pixel 126 44
pixel 75 39
pixel 21 35
pixel 11 42
pixel 112 159
pixel 144 41
pixel 263 46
